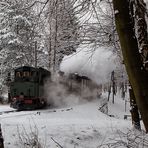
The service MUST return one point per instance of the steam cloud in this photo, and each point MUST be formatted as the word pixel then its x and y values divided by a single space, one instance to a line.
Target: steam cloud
pixel 59 95
pixel 96 65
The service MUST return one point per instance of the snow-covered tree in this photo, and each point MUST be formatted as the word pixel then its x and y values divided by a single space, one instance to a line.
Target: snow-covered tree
pixel 19 35
pixel 62 31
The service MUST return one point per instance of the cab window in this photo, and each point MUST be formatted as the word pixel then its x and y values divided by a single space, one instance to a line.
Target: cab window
pixel 18 74
pixel 26 74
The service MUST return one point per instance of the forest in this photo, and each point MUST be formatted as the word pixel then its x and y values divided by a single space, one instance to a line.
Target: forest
pixel 105 41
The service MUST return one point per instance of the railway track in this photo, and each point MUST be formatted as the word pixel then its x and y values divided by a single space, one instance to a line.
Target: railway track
pixel 33 112
pixel 14 111
pixel 22 113
pixel 2 114
pixel 9 111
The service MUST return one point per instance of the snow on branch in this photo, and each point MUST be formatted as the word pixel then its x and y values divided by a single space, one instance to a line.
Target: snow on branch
pixel 20 17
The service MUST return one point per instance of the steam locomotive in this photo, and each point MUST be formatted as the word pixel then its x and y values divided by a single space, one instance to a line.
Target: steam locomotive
pixel 27 88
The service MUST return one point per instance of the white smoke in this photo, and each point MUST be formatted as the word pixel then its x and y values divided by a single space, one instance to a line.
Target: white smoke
pixel 97 65
pixel 59 93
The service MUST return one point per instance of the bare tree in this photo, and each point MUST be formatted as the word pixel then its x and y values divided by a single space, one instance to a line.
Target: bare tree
pixel 134 65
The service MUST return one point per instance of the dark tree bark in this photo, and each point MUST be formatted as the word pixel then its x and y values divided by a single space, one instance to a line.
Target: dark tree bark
pixel 134 111
pixel 1 138
pixel 113 86
pixel 138 77
pixel 141 29
pixel 138 10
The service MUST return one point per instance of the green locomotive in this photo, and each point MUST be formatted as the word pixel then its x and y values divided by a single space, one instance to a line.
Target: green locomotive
pixel 27 88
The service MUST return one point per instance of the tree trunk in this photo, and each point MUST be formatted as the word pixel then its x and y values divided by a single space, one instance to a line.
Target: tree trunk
pixel 50 50
pixel 35 54
pixel 138 77
pixel 134 111
pixel 55 37
pixel 113 86
pixel 141 29
pixel 1 138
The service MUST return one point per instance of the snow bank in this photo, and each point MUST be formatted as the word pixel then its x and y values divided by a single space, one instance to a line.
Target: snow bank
pixel 81 126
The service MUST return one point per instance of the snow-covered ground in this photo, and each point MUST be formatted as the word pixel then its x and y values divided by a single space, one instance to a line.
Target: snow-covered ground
pixel 79 126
